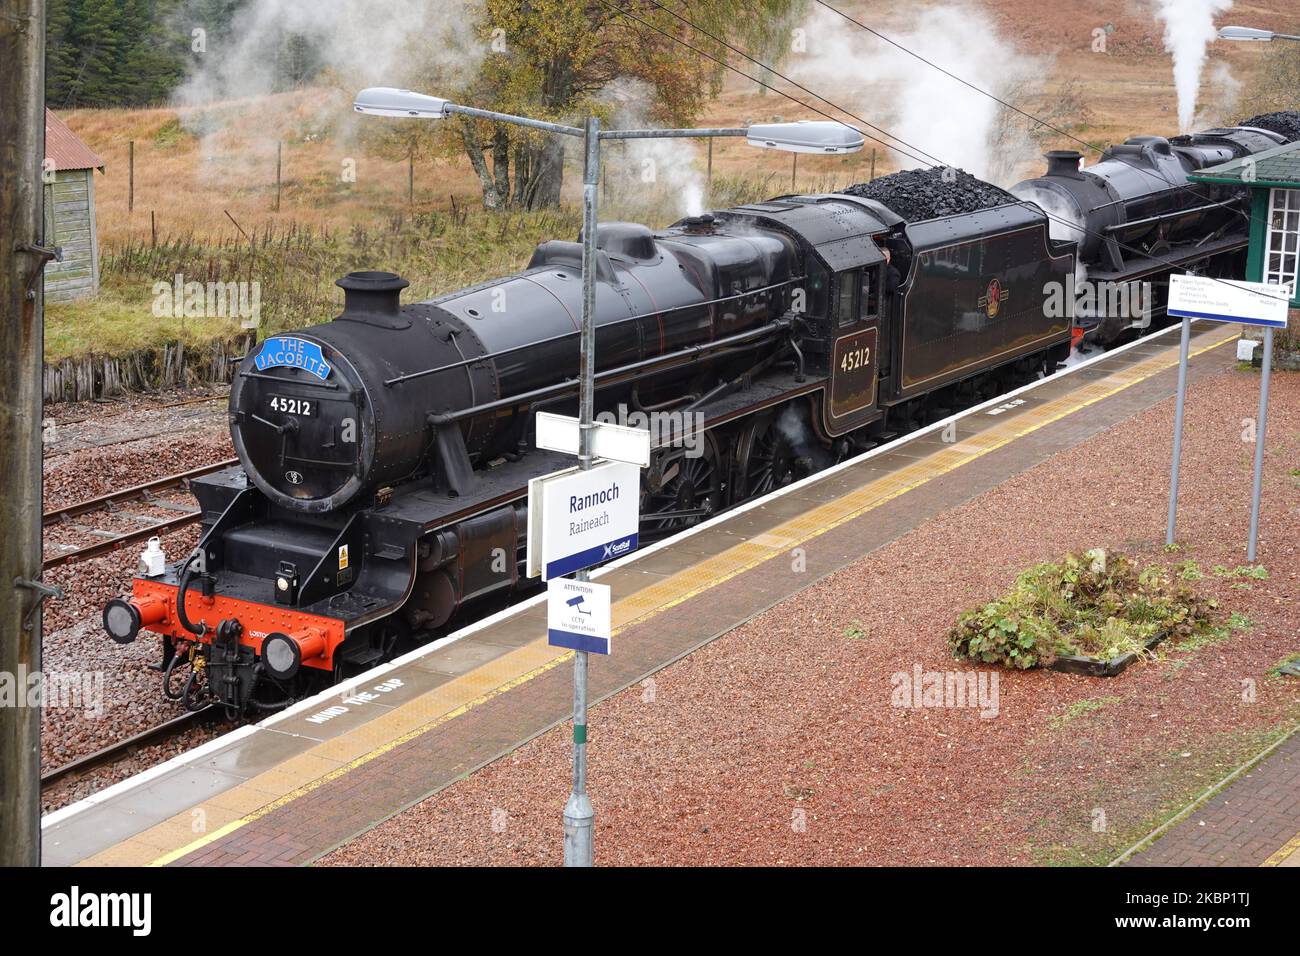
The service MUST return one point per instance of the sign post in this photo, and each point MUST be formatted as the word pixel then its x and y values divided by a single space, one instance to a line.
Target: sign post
pixel 1225 300
pixel 579 817
pixel 1183 349
pixel 1259 442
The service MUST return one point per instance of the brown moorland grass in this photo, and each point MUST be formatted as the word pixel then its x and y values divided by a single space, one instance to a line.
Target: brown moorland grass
pixel 205 176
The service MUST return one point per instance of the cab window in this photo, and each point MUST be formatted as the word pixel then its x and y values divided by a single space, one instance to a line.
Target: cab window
pixel 846 297
pixel 869 297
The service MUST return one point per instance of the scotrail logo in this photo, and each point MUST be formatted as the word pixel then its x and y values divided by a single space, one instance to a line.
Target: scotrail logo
pixel 617 548
pixel 75 908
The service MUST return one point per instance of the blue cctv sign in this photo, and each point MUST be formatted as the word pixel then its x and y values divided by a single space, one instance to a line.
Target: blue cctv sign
pixel 285 351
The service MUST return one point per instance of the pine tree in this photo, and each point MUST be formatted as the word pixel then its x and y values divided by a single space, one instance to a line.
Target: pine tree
pixel 121 52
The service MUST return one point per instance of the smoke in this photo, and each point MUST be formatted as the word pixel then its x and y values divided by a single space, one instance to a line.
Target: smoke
pixel 1225 91
pixel 1063 223
pixel 1189 29
pixel 342 42
pixel 943 119
pixel 650 171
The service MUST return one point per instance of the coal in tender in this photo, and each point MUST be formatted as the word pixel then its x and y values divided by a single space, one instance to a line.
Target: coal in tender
pixel 917 194
pixel 1285 123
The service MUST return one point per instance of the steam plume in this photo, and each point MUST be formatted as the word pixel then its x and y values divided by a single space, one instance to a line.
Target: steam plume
pixel 1189 29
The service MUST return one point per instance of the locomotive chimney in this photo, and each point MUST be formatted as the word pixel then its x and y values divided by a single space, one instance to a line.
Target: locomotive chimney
pixel 373 297
pixel 698 225
pixel 1063 162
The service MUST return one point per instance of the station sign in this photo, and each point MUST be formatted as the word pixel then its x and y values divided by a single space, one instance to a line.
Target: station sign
pixel 578 519
pixel 610 441
pixel 1229 300
pixel 578 615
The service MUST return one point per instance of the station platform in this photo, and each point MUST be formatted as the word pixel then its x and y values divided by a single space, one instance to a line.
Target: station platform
pixel 297 785
pixel 1252 820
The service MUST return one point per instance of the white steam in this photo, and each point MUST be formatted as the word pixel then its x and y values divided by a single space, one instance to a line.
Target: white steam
pixel 366 44
pixel 1063 219
pixel 650 171
pixel 1189 30
pixel 944 120
pixel 1225 91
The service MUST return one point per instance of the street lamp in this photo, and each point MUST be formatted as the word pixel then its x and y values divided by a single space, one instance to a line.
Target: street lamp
pixel 1251 33
pixel 828 137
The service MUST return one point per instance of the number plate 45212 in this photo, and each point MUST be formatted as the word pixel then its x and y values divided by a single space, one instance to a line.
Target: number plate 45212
pixel 291 406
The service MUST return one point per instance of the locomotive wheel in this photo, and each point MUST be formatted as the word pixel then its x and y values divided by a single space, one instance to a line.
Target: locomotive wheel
pixel 774 451
pixel 691 492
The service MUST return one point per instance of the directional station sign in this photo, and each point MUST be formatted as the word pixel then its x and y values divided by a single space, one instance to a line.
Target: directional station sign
pixel 577 519
pixel 578 615
pixel 1228 300
pixel 615 442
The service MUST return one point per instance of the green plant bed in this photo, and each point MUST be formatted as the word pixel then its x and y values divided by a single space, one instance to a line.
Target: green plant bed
pixel 1101 667
pixel 1089 613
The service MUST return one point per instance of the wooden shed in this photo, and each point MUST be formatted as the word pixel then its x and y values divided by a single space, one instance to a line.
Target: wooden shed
pixel 69 177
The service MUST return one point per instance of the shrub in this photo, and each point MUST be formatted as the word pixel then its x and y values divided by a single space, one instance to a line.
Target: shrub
pixel 1089 604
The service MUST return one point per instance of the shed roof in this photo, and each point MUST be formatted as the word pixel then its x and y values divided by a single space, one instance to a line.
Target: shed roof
pixel 65 149
pixel 1279 166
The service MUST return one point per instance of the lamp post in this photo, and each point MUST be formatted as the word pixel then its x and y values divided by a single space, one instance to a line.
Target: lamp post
pixel 1252 34
pixel 828 137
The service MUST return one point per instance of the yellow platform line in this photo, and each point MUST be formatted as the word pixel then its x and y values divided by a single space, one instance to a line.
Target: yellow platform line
pixel 351 765
pixel 1292 846
pixel 666 595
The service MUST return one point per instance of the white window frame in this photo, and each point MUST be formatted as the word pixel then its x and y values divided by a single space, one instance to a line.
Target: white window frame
pixel 1281 263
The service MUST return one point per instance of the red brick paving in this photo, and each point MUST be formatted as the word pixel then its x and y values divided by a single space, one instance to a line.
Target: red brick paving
pixel 1242 825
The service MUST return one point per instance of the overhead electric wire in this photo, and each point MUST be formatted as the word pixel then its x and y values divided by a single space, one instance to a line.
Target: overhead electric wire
pixel 1015 199
pixel 794 99
pixel 797 85
pixel 1037 119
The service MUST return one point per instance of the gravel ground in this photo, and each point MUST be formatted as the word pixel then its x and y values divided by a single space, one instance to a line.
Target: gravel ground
pixel 96 470
pixel 778 744
pixel 97 448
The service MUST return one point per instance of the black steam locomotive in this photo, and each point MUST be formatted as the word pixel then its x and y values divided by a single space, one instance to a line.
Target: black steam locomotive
pixel 385 455
pixel 1134 215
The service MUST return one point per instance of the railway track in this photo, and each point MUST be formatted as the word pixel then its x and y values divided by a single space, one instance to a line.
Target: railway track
pixel 129 410
pixel 112 541
pixel 124 748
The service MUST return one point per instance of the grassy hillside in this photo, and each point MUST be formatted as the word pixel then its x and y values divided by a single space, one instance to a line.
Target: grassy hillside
pixel 205 179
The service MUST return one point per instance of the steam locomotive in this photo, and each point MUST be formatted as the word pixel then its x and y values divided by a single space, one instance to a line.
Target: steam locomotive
pixel 1134 215
pixel 385 455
